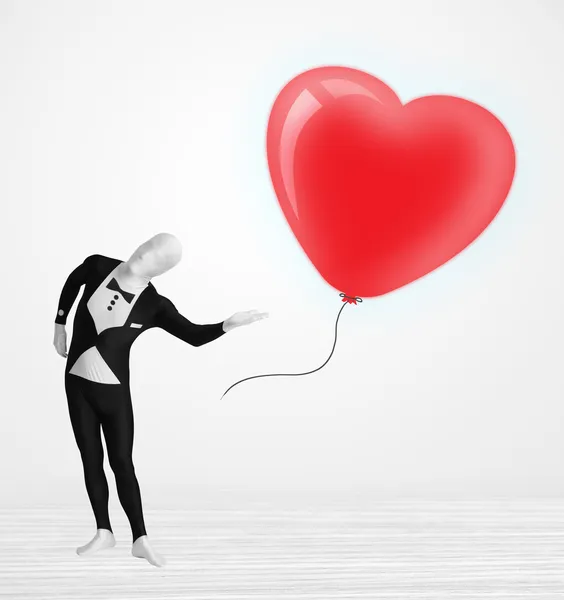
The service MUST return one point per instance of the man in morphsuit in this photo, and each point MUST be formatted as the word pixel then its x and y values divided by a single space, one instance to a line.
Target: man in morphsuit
pixel 119 303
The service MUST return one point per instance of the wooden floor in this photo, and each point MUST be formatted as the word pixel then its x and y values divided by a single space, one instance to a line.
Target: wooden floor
pixel 406 549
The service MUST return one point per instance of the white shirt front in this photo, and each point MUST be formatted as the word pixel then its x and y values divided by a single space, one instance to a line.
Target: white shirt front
pixel 108 309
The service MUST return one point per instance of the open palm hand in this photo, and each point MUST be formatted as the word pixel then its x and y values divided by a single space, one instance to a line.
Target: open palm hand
pixel 243 318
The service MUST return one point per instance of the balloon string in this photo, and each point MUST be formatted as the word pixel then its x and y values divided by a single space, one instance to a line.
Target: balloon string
pixel 346 300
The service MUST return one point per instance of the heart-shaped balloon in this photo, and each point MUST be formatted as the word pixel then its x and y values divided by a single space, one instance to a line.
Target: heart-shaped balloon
pixel 379 193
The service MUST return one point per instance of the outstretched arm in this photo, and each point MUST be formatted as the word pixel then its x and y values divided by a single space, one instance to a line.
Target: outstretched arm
pixel 71 288
pixel 169 319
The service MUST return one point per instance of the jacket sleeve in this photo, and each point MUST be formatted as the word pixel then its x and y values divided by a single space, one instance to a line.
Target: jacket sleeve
pixel 71 288
pixel 169 319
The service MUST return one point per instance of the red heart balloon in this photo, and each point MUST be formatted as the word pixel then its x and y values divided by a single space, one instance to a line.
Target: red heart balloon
pixel 379 193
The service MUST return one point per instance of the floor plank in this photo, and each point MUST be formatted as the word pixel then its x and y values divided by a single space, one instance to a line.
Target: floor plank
pixel 387 549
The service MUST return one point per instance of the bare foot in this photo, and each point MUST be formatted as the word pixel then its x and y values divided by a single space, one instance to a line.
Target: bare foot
pixel 142 549
pixel 103 539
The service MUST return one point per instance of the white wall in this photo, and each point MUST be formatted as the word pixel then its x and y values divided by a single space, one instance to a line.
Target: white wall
pixel 123 119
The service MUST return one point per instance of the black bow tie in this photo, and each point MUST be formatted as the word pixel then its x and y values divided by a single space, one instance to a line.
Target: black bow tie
pixel 114 285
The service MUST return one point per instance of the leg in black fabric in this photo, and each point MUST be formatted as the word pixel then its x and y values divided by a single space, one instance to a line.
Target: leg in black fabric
pixel 117 425
pixel 86 427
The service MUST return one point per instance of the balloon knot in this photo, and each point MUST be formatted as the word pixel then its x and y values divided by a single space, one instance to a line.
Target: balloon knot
pixel 350 299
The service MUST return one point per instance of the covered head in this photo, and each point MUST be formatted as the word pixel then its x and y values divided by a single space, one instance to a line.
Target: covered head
pixel 156 256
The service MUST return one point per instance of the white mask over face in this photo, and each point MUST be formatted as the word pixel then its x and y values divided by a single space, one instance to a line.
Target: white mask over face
pixel 154 257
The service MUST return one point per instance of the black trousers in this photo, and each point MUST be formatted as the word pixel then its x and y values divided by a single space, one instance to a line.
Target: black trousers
pixel 96 407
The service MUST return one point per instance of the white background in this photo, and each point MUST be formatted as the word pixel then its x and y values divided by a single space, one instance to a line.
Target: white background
pixel 122 119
